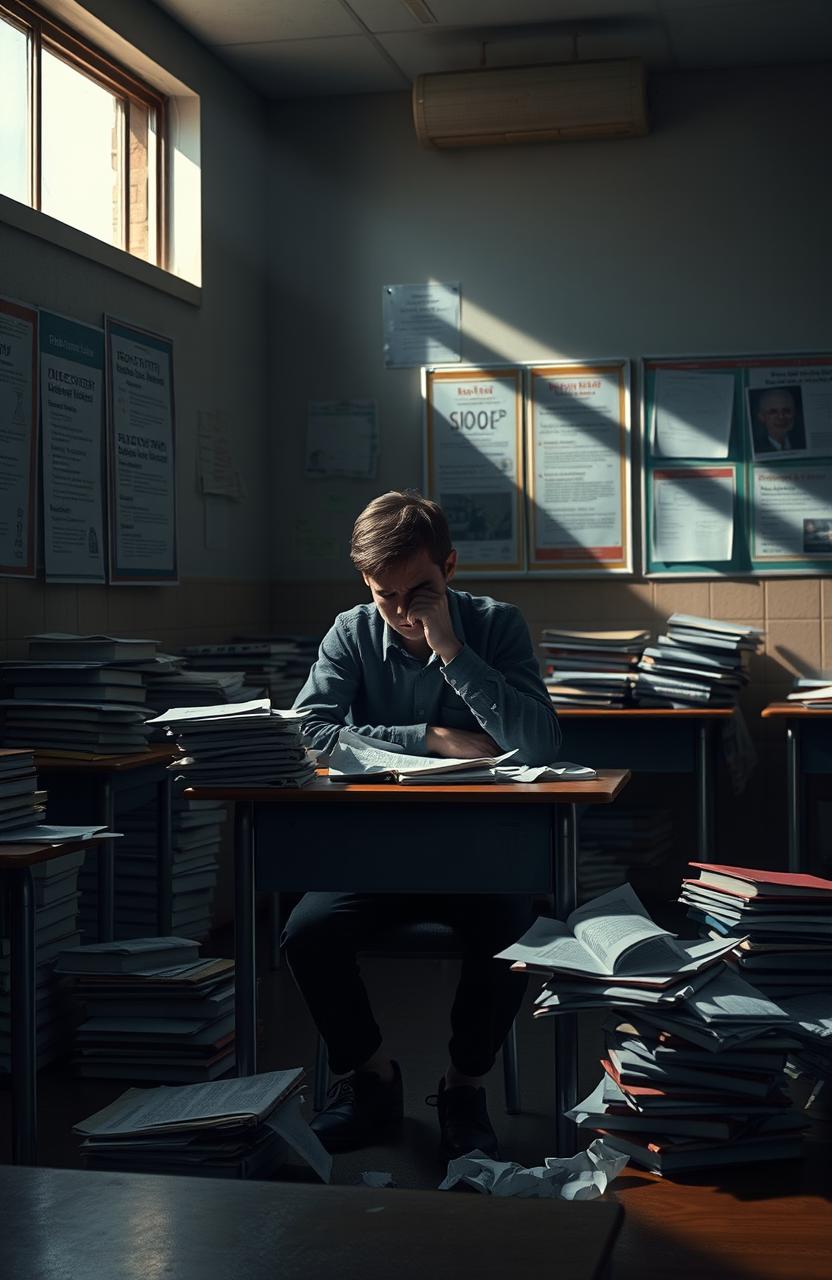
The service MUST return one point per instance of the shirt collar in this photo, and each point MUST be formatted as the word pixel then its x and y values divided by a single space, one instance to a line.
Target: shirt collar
pixel 392 640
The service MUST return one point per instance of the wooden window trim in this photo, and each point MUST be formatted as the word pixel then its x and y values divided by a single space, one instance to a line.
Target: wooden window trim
pixel 45 32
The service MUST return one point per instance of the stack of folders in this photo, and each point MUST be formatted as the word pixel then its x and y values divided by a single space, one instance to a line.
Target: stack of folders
pixel 297 653
pixel 617 843
pixel 812 691
pixel 812 1026
pixel 180 686
pixel 78 695
pixel 56 926
pixel 237 1128
pixel 785 920
pixel 21 804
pixel 154 1010
pixel 698 662
pixel 727 1041
pixel 591 668
pixel 261 664
pixel 196 836
pixel 248 744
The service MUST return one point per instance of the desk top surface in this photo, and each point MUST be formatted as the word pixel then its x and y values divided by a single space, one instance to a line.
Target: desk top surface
pixel 26 855
pixel 794 709
pixel 601 790
pixel 646 713
pixel 104 764
pixel 65 1223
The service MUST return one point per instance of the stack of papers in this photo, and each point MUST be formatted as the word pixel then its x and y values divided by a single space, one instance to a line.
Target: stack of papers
pixel 699 662
pixel 591 668
pixel 786 920
pixel 812 1026
pixel 78 695
pixel 235 1128
pixel 616 843
pixel 355 758
pixel 247 744
pixel 296 655
pixel 812 691
pixel 691 1040
pixel 197 688
pixel 257 664
pixel 21 804
pixel 56 926
pixel 154 1010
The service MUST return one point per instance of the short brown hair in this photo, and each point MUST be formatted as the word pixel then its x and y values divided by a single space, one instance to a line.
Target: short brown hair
pixel 397 525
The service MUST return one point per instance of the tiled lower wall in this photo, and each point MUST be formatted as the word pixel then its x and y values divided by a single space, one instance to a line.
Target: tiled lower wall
pixel 796 614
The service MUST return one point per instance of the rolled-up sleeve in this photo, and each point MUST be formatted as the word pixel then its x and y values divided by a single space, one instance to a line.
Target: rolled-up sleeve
pixel 506 695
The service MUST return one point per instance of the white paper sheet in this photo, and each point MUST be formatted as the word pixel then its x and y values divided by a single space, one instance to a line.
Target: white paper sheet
pixel 216 463
pixel 341 440
pixel 585 1176
pixel 692 411
pixel 421 324
pixel 789 410
pixel 18 438
pixel 693 515
pixel 792 517
pixel 289 1122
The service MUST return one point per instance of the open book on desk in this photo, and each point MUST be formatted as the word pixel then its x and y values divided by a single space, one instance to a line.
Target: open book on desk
pixel 355 758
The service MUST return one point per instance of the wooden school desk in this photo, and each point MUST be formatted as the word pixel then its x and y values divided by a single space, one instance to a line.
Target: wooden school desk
pixel 111 778
pixel 808 750
pixel 16 862
pixel 71 1224
pixel 506 837
pixel 652 740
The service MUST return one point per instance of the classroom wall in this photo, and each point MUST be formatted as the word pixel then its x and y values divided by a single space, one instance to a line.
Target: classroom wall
pixel 220 352
pixel 708 235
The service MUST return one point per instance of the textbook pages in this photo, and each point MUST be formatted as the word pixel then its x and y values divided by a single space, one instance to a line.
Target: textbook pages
pixel 356 758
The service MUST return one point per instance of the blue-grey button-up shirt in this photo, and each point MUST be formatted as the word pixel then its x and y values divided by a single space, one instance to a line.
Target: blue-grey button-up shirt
pixel 365 678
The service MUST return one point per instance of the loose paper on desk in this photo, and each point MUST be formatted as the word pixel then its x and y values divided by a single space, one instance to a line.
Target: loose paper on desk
pixel 692 412
pixel 18 438
pixel 693 514
pixel 72 418
pixel 216 465
pixel 421 324
pixel 49 833
pixel 585 1176
pixel 354 754
pixel 792 513
pixel 341 440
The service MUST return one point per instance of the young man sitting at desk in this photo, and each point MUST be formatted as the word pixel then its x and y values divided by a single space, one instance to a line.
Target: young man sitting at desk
pixel 443 673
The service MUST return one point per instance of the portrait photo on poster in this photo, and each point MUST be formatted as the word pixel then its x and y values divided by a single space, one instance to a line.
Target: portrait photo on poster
pixel 776 422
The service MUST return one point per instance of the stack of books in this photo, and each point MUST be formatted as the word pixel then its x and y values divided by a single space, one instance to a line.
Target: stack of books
pixel 260 665
pixel 297 653
pixel 591 668
pixel 616 842
pixel 78 695
pixel 154 1010
pixel 248 744
pixel 690 1041
pixel 236 1128
pixel 698 662
pixel 21 803
pixel 785 921
pixel 812 691
pixel 178 686
pixel 812 1026
pixel 56 927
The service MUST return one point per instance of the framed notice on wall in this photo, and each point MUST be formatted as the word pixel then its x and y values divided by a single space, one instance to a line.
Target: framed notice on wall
pixel 474 462
pixel 578 458
pixel 141 455
pixel 18 438
pixel 751 438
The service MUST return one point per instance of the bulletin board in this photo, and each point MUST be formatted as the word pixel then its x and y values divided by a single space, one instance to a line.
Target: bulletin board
pixel 736 465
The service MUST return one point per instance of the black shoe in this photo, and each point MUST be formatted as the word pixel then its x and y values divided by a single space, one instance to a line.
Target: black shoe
pixel 359 1108
pixel 463 1122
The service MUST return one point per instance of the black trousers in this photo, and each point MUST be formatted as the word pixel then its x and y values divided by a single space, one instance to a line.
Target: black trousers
pixel 326 930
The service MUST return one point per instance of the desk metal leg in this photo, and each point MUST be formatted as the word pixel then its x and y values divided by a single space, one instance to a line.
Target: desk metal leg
pixel 794 796
pixel 705 851
pixel 164 822
pixel 565 881
pixel 245 999
pixel 24 1062
pixel 106 865
pixel 275 930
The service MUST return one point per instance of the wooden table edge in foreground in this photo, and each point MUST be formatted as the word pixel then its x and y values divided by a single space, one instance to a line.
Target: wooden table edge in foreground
pixel 560 798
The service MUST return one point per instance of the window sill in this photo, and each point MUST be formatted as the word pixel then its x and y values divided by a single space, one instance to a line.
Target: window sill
pixel 65 237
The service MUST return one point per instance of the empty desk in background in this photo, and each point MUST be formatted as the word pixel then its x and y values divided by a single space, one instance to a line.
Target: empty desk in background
pixel 652 740
pixel 16 862
pixel 507 838
pixel 808 751
pixel 65 1224
pixel 107 781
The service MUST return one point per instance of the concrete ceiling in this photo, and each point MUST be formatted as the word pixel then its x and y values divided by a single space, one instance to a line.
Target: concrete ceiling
pixel 306 48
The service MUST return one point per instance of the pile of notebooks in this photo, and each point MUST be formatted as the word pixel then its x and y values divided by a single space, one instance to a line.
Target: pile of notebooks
pixel 296 655
pixel 591 668
pixel 21 803
pixel 154 1010
pixel 698 662
pixel 176 685
pixel 615 843
pixel 196 837
pixel 236 1128
pixel 56 927
pixel 784 920
pixel 812 691
pixel 77 695
pixel 812 1026
pixel 247 744
pixel 259 664
pixel 694 1073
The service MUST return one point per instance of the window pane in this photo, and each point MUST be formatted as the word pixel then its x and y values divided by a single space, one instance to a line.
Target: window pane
pixel 82 165
pixel 142 182
pixel 14 113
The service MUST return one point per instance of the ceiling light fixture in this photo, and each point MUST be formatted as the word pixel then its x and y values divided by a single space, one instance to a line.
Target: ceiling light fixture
pixel 421 11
